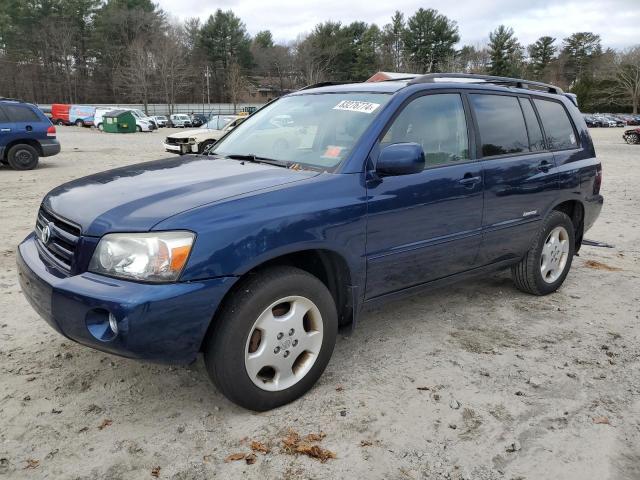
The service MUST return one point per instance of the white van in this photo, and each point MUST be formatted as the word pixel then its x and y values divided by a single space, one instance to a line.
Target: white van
pixel 97 117
pixel 180 120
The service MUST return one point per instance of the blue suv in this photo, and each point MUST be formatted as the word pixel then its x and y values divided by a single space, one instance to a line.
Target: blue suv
pixel 26 134
pixel 325 201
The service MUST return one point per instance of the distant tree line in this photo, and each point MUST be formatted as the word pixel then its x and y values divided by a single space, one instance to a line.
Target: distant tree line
pixel 107 51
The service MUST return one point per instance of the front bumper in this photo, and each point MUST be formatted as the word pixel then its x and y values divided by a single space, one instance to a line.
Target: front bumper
pixel 173 148
pixel 159 322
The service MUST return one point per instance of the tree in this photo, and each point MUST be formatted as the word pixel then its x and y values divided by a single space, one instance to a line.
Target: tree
pixel 236 83
pixel 470 59
pixel 393 42
pixel 172 51
pixel 541 53
pixel 224 40
pixel 505 53
pixel 263 39
pixel 626 79
pixel 429 40
pixel 581 51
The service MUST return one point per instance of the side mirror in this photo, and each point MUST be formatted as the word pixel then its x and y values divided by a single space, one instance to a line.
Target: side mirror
pixel 400 159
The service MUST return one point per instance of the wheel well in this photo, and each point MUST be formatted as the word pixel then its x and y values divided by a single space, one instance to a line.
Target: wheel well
pixel 328 266
pixel 26 141
pixel 575 211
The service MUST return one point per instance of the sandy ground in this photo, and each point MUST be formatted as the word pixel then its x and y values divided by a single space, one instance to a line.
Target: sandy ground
pixel 475 381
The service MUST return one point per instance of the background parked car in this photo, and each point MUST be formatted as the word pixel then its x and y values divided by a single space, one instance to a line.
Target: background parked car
pixel 198 119
pixel 180 120
pixel 161 120
pixel 197 141
pixel 26 134
pixel 592 122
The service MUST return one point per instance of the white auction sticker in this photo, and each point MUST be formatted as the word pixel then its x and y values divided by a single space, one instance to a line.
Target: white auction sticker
pixel 356 106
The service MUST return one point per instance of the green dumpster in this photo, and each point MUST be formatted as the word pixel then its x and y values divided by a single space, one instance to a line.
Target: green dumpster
pixel 119 121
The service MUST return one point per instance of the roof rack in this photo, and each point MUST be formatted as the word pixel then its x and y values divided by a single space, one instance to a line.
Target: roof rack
pixel 12 99
pixel 473 78
pixel 323 84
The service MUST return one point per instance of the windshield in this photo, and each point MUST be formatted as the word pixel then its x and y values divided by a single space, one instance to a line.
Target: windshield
pixel 315 130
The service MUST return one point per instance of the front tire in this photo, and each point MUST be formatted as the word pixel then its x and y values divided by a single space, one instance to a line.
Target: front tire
pixel 273 338
pixel 23 157
pixel 139 128
pixel 79 123
pixel 633 139
pixel 548 261
pixel 205 145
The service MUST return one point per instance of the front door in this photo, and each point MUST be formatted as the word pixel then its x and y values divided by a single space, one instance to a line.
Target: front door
pixel 425 226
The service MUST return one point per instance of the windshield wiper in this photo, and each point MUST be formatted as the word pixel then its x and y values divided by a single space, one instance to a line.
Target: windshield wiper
pixel 257 159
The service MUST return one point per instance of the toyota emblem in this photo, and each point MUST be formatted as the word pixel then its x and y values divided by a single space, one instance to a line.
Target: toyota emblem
pixel 45 234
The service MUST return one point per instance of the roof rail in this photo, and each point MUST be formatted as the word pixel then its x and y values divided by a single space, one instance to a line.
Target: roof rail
pixel 323 84
pixel 473 78
pixel 12 99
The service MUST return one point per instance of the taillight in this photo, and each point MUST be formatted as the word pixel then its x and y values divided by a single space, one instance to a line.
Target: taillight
pixel 51 131
pixel 597 182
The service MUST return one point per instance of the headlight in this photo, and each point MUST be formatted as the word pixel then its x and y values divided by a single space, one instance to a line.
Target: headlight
pixel 150 257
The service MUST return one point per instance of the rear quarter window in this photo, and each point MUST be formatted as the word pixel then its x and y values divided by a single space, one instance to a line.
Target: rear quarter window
pixel 20 113
pixel 557 125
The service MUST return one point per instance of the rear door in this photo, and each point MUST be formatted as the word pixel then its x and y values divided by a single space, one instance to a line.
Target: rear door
pixel 427 225
pixel 5 132
pixel 520 174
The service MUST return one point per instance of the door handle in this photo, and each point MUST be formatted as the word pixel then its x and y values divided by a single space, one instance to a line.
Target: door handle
pixel 5 129
pixel 469 181
pixel 544 166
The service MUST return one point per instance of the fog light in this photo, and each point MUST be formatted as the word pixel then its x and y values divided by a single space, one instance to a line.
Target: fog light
pixel 102 324
pixel 113 323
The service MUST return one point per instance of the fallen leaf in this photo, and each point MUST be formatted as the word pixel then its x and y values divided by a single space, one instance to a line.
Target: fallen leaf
pixel 155 472
pixel 315 451
pixel 105 423
pixel 339 388
pixel 83 429
pixel 31 463
pixel 315 437
pixel 259 447
pixel 366 443
pixel 250 458
pixel 423 388
pixel 600 266
pixel 234 457
pixel 293 444
pixel 601 420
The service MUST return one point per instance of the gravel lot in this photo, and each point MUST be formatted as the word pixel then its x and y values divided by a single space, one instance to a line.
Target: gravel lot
pixel 474 381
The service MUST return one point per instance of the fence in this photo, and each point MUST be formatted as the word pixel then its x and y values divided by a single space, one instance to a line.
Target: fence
pixel 188 108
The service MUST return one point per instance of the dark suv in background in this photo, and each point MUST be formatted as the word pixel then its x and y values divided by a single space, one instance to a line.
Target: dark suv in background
pixel 325 201
pixel 26 134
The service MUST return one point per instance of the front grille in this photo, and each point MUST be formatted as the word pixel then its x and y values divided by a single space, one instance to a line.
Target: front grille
pixel 176 141
pixel 63 237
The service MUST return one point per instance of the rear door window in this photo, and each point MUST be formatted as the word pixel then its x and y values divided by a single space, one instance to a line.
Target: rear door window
pixel 536 139
pixel 557 125
pixel 501 124
pixel 3 117
pixel 20 113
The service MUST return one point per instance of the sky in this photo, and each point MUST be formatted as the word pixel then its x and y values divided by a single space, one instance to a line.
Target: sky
pixel 617 21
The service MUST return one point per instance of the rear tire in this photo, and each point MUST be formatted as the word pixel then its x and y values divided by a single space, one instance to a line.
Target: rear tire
pixel 79 123
pixel 23 157
pixel 283 368
pixel 548 261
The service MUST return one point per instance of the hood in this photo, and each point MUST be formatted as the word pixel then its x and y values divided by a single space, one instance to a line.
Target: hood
pixel 135 198
pixel 196 133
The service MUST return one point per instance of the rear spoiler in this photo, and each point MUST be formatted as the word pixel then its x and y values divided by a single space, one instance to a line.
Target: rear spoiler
pixel 573 97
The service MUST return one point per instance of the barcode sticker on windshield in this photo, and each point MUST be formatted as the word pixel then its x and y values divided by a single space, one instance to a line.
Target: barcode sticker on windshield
pixel 356 106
